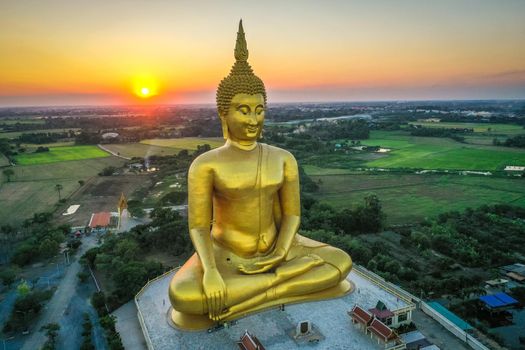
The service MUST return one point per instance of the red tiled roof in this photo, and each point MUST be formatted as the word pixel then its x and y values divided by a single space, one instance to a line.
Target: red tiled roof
pixel 381 329
pixel 361 314
pixel 100 219
pixel 249 342
pixel 382 314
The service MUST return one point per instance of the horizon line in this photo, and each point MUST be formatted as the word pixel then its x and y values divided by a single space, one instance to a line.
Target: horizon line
pixel 272 103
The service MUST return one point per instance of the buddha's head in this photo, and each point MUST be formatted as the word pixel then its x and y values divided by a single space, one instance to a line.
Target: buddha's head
pixel 241 97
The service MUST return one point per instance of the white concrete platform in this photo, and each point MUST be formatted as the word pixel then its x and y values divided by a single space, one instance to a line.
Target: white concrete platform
pixel 270 327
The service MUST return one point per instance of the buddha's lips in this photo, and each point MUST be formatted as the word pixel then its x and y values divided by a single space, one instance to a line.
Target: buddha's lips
pixel 252 128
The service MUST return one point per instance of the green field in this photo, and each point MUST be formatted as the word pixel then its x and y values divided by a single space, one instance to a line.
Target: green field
pixel 60 154
pixel 189 143
pixel 15 134
pixel 21 121
pixel 408 198
pixel 33 186
pixel 439 153
pixel 506 129
pixel 161 147
pixel 131 150
pixel 313 170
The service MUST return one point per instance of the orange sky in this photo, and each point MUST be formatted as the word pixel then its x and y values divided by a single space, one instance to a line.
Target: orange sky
pixel 94 52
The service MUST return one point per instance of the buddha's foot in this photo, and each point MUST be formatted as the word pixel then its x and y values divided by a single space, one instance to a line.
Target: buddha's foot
pixel 259 304
pixel 297 267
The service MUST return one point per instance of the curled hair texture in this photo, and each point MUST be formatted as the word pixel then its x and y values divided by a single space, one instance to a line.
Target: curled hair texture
pixel 241 79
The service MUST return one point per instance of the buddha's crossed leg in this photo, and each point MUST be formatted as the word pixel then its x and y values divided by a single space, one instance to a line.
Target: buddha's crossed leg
pixel 335 266
pixel 306 271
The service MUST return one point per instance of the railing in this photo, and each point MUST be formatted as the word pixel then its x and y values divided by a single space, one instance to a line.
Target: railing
pixel 389 287
pixel 453 328
pixel 142 323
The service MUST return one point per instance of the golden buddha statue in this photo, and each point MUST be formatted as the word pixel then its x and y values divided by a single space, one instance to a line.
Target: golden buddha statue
pixel 243 214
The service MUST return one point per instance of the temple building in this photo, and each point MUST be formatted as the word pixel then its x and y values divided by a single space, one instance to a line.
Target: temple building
pixel 249 342
pixel 101 222
pixel 369 323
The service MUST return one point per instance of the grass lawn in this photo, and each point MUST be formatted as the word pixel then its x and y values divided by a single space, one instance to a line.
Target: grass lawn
pixel 506 129
pixel 481 139
pixel 32 188
pixel 408 198
pixel 439 153
pixel 189 143
pixel 60 154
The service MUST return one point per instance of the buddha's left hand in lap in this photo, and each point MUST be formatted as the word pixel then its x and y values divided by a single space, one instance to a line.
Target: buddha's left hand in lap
pixel 265 263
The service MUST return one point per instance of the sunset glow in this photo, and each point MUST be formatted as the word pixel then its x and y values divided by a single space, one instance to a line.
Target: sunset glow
pixel 350 50
pixel 145 86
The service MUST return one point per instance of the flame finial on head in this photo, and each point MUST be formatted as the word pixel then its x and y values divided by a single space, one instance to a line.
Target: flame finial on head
pixel 241 48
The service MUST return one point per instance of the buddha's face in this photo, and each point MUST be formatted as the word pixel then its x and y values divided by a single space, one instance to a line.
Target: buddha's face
pixel 245 118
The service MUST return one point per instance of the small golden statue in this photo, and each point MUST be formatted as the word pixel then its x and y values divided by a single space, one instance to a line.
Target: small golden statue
pixel 243 214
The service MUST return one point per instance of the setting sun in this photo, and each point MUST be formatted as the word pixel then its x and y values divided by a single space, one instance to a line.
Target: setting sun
pixel 145 86
pixel 144 91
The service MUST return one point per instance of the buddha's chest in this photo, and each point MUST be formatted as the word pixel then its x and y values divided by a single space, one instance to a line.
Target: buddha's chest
pixel 240 178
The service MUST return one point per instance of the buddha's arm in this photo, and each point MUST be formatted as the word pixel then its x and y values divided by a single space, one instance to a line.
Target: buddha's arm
pixel 200 189
pixel 289 197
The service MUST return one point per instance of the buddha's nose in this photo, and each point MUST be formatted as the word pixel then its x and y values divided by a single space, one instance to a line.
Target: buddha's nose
pixel 252 120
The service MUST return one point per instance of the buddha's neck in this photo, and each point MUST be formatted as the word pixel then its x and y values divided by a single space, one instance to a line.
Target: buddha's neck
pixel 242 145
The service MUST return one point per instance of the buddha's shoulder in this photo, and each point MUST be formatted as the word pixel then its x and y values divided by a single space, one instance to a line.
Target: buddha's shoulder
pixel 205 160
pixel 279 152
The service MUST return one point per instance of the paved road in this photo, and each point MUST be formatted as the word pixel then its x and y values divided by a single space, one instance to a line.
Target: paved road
pixel 436 333
pixel 113 153
pixel 56 307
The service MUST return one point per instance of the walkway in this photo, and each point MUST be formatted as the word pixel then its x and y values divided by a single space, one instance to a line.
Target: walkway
pixel 56 307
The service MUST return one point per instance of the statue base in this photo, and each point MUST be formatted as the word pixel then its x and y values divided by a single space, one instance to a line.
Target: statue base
pixel 273 325
pixel 189 322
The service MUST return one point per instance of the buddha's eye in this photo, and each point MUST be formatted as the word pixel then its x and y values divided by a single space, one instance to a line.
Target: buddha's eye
pixel 259 111
pixel 244 110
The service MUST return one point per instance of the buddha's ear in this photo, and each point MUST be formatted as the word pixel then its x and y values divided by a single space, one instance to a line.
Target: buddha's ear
pixel 224 126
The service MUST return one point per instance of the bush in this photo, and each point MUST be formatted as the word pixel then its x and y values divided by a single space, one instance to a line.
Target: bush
pixel 87 343
pixel 174 198
pixel 52 334
pixel 8 275
pixel 107 171
pixel 108 323
pixel 98 300
pixel 25 310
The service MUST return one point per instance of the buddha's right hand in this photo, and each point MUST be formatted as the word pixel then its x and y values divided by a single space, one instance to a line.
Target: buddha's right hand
pixel 215 292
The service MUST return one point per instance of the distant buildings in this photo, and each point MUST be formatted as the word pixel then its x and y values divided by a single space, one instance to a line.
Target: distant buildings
pixel 515 272
pixel 498 302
